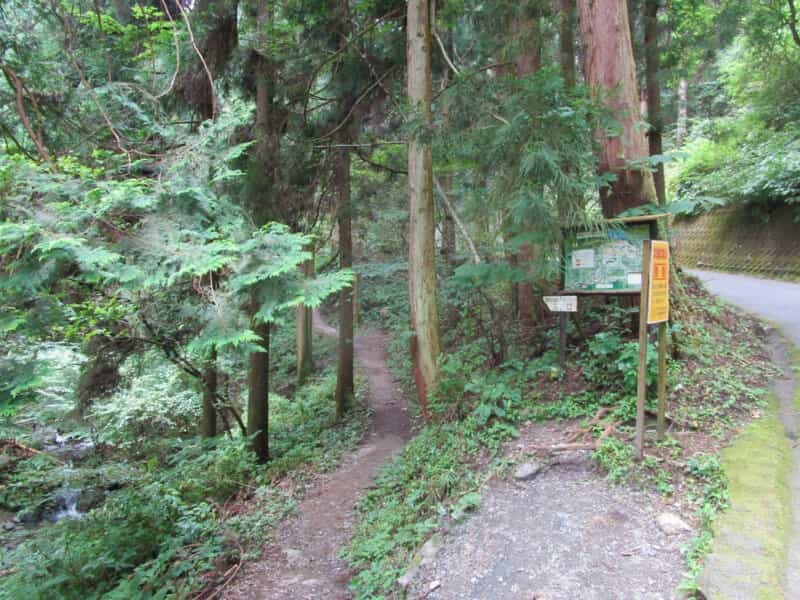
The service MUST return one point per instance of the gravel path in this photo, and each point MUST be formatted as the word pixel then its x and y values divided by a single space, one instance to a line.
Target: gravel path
pixel 564 535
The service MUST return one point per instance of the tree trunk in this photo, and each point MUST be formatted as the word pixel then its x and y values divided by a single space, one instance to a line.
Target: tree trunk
pixel 448 229
pixel 344 375
pixel 527 62
pixel 258 395
pixel 208 421
pixel 682 126
pixel 262 175
pixel 567 42
pixel 448 250
pixel 426 346
pixel 653 87
pixel 304 337
pixel 610 69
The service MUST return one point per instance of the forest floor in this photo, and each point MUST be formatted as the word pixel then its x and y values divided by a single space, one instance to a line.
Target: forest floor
pixel 301 560
pixel 564 533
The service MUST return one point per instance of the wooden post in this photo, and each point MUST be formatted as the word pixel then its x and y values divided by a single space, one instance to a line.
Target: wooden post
pixel 662 379
pixel 641 391
pixel 562 340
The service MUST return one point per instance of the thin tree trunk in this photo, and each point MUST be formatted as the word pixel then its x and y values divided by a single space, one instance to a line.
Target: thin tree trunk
pixel 448 250
pixel 455 221
pixel 653 87
pixel 448 232
pixel 567 42
pixel 682 125
pixel 304 337
pixel 258 395
pixel 208 422
pixel 344 376
pixel 426 347
pixel 610 69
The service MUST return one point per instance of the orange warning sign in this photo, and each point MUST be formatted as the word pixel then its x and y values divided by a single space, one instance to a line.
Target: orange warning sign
pixel 658 305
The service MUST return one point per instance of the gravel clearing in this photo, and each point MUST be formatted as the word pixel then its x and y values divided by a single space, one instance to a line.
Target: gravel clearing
pixel 566 534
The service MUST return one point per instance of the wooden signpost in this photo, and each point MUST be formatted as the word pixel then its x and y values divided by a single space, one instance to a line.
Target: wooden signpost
pixel 653 309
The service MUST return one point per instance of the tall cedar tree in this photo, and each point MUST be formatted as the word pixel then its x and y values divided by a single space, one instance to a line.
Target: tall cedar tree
pixel 527 62
pixel 653 91
pixel 341 175
pixel 264 170
pixel 425 344
pixel 611 72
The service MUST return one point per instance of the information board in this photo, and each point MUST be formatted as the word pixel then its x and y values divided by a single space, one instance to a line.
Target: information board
pixel 605 261
pixel 658 302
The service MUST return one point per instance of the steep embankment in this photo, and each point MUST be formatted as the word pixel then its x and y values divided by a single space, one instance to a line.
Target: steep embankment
pixel 734 239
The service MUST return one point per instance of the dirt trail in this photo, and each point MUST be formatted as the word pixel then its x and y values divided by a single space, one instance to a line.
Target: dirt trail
pixel 302 561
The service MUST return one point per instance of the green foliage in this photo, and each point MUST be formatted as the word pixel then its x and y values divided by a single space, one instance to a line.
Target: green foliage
pixel 613 364
pixel 406 502
pixel 121 549
pixel 746 150
pixel 154 397
pixel 616 457
pixel 162 532
pixel 711 486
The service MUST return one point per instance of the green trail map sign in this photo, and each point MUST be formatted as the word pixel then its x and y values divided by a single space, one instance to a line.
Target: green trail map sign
pixel 605 261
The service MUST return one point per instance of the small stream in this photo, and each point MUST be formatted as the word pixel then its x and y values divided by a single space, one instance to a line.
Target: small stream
pixel 68 499
pixel 75 498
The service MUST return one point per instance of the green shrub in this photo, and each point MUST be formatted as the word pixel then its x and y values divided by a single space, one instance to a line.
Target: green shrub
pixel 154 398
pixel 139 534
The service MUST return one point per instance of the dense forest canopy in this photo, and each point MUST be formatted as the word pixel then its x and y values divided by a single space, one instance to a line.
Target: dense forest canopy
pixel 183 182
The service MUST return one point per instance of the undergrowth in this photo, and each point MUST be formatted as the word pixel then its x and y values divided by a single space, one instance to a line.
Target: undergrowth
pixel 170 521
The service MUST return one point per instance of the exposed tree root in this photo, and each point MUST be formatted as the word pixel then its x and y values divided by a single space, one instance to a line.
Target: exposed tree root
pixel 582 438
pixel 27 450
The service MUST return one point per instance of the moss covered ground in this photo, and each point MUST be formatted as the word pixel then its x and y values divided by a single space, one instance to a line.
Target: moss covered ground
pixel 752 539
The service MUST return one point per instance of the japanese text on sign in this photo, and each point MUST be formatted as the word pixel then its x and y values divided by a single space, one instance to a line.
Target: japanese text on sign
pixel 658 305
pixel 562 303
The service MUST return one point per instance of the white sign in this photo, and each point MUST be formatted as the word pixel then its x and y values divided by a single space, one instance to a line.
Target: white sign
pixel 583 259
pixel 634 279
pixel 562 303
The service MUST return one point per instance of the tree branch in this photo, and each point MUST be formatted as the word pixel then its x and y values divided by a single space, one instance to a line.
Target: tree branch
pixel 15 81
pixel 360 154
pixel 793 22
pixel 444 53
pixel 202 60
pixel 476 258
pixel 177 51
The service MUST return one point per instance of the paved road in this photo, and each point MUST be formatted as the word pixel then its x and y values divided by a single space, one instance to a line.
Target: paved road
pixel 775 301
pixel 779 303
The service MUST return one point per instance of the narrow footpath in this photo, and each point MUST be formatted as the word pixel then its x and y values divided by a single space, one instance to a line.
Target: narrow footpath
pixel 741 565
pixel 301 562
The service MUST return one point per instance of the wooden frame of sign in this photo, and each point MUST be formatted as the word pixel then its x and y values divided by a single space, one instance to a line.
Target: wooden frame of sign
pixel 624 222
pixel 645 318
